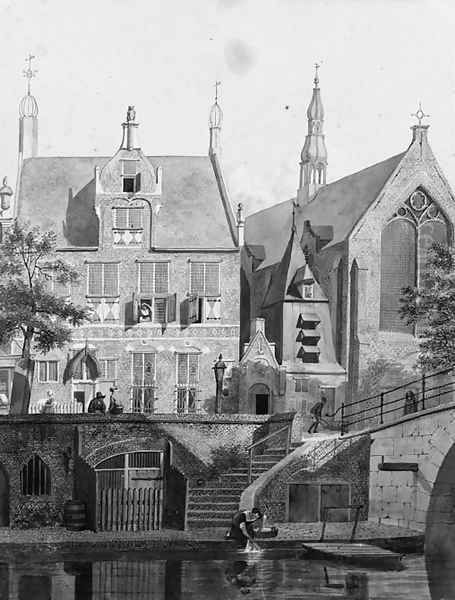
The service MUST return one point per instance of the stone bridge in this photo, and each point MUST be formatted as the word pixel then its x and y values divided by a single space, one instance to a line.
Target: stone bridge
pixel 412 472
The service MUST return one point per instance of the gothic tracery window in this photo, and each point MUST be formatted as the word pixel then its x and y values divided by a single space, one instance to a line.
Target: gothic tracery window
pixel 405 242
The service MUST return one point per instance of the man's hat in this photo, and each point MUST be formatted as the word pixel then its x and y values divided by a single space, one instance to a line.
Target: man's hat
pixel 99 395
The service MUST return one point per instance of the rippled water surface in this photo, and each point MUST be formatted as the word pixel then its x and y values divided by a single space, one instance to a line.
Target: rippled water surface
pixel 255 577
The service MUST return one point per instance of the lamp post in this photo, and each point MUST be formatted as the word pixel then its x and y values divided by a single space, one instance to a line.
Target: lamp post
pixel 219 369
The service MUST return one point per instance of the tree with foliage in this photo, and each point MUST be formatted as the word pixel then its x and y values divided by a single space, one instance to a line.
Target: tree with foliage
pixel 29 310
pixel 431 308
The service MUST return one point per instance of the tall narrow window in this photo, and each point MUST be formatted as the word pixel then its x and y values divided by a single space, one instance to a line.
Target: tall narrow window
pixel 131 176
pixel 153 278
pixel 406 239
pixel 128 218
pixel 103 279
pixel 205 278
pixel 35 478
pixel 143 382
pixel 108 368
pixel 47 371
pixel 398 270
pixel 187 382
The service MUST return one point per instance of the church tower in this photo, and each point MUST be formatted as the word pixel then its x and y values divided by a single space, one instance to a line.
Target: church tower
pixel 28 118
pixel 313 163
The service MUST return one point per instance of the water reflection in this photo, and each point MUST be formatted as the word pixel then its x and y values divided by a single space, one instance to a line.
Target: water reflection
pixel 261 578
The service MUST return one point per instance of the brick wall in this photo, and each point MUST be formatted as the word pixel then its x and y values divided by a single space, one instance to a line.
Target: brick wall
pixel 349 466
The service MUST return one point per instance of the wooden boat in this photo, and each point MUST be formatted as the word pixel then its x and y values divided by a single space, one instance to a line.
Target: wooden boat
pixel 354 553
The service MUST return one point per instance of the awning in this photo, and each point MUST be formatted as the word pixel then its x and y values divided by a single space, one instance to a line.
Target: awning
pixel 82 355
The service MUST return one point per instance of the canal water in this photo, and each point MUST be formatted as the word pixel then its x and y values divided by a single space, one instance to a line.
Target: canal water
pixel 185 577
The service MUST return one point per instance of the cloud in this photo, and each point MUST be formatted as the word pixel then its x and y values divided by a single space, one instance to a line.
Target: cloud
pixel 239 56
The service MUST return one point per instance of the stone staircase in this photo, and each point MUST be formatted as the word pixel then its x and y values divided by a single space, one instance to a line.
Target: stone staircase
pixel 214 506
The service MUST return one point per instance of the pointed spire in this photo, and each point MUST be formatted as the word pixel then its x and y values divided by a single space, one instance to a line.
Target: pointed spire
pixel 215 121
pixel 313 164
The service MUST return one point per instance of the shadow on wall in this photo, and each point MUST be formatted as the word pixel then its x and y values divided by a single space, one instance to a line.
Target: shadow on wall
pixel 440 532
pixel 81 227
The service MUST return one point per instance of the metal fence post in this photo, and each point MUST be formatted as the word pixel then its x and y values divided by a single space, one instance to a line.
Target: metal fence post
pixel 342 418
pixel 382 408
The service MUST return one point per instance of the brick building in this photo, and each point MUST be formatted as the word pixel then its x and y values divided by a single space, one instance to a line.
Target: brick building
pixel 362 238
pixel 156 243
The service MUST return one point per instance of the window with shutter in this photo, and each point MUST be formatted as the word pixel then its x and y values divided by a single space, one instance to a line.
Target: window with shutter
pixel 103 279
pixel 205 278
pixel 154 278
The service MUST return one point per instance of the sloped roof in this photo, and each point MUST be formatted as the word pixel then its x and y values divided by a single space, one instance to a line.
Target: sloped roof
pixel 339 204
pixel 59 193
pixel 284 274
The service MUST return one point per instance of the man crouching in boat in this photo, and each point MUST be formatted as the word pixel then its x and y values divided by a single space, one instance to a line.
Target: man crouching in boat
pixel 244 524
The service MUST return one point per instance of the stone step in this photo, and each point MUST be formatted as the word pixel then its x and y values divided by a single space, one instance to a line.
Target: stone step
pixel 217 496
pixel 275 450
pixel 203 523
pixel 210 506
pixel 265 464
pixel 268 458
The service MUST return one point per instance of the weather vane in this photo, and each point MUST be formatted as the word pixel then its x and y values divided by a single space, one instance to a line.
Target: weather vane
pixel 29 73
pixel 419 114
pixel 316 76
pixel 217 84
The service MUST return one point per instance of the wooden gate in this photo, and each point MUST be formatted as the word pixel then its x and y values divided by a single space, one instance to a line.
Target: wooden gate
pixel 137 509
pixel 129 492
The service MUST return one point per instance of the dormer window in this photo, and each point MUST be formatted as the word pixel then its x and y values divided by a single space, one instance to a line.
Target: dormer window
pixel 131 177
pixel 308 291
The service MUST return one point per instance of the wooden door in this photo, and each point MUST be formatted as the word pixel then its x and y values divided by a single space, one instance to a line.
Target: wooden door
pixel 304 503
pixel 336 494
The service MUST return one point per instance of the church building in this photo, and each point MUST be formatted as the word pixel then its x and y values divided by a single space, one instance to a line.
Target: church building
pixel 156 243
pixel 325 269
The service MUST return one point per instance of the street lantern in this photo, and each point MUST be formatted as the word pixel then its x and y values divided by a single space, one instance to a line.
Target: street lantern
pixel 219 369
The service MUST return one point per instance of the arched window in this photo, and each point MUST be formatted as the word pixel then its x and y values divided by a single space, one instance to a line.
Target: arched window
pixel 35 477
pixel 406 238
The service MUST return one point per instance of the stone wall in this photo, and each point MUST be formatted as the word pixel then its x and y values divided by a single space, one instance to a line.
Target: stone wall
pixel 403 497
pixel 72 445
pixel 350 466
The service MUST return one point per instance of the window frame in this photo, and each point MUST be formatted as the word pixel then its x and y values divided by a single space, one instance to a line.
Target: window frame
pixel 187 390
pixel 128 210
pixel 103 264
pixel 142 388
pixel 204 294
pixel 153 293
pixel 26 478
pixel 104 375
pixel 46 362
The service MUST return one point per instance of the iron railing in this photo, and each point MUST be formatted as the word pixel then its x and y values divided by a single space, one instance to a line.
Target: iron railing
pixel 251 449
pixel 387 406
pixel 325 514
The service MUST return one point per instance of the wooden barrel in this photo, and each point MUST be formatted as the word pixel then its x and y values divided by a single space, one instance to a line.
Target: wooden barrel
pixel 74 515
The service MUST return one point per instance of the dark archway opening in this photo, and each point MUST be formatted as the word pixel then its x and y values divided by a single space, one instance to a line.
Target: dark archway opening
pixel 262 404
pixel 440 531
pixel 4 498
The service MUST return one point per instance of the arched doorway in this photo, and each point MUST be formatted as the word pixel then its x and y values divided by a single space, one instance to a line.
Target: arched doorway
pixel 259 397
pixel 4 498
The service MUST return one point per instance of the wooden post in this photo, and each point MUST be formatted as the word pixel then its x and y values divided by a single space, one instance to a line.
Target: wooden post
pixel 382 409
pixel 356 521
pixel 324 523
pixel 423 391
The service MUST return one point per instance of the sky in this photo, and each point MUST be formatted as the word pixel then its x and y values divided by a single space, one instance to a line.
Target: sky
pixel 94 58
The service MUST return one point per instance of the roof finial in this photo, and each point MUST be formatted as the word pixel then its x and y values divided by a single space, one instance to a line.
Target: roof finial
pixel 316 75
pixel 29 73
pixel 217 84
pixel 419 114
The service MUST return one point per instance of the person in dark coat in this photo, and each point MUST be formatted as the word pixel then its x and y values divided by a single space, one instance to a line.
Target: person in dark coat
pixel 316 413
pixel 97 405
pixel 411 404
pixel 242 526
pixel 115 406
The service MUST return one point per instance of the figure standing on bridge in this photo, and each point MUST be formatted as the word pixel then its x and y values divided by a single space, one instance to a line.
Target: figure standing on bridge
pixel 316 413
pixel 411 403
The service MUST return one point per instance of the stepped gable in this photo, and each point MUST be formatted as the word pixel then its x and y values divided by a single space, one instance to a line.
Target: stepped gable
pixel 59 193
pixel 339 204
